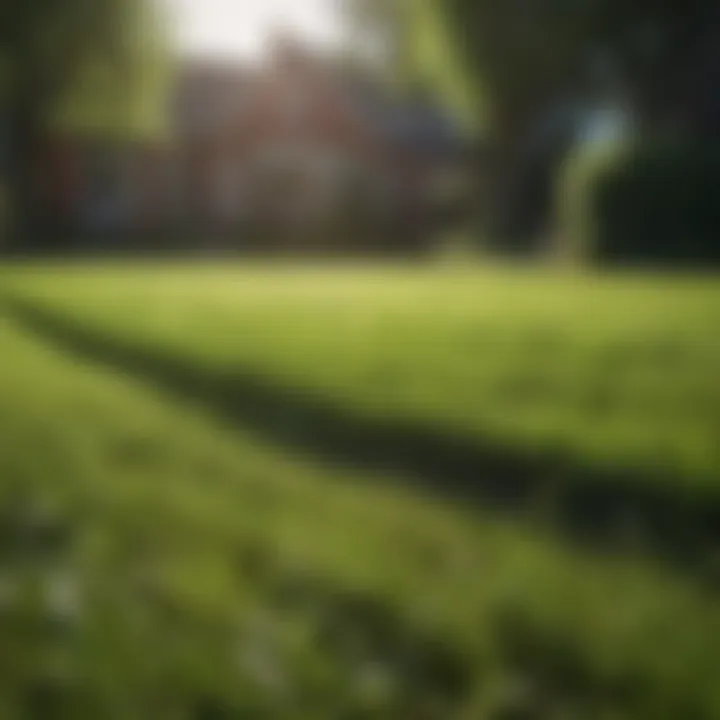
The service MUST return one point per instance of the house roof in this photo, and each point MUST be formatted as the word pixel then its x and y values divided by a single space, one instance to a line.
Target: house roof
pixel 405 123
pixel 208 95
pixel 211 96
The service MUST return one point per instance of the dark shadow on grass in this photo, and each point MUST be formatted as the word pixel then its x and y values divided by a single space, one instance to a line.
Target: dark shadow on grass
pixel 600 509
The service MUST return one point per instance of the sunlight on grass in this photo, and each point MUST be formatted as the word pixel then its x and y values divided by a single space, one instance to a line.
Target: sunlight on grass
pixel 175 545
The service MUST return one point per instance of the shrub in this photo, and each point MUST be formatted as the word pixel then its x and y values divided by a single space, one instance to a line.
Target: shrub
pixel 651 202
pixel 576 237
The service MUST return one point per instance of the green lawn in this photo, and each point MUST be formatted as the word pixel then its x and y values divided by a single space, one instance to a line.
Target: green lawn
pixel 358 493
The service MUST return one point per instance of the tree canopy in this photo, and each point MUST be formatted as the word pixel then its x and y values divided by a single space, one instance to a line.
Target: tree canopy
pixel 418 48
pixel 93 67
pixel 84 64
pixel 502 58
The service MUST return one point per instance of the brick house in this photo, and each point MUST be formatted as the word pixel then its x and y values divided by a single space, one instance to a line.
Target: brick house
pixel 279 151
pixel 293 150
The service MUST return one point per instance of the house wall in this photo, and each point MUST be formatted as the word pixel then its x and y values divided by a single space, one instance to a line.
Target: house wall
pixel 63 178
pixel 292 151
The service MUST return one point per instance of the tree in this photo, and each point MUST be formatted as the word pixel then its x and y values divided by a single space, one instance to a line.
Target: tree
pixel 531 55
pixel 523 57
pixel 50 50
pixel 417 49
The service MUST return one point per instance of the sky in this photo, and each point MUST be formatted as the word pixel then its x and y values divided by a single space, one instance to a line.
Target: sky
pixel 239 28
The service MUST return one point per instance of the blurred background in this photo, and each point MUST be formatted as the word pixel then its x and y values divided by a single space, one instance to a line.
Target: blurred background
pixel 359 359
pixel 579 130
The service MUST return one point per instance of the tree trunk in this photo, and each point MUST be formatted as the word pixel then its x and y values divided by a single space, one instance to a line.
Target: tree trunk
pixel 504 175
pixel 510 221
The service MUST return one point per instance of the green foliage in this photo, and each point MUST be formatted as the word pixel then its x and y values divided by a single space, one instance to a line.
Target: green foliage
pixel 85 65
pixel 576 233
pixel 517 55
pixel 661 204
pixel 422 52
pixel 126 94
pixel 506 64
pixel 160 561
pixel 640 202
pixel 432 56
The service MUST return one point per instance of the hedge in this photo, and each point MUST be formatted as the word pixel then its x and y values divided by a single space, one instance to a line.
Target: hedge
pixel 651 202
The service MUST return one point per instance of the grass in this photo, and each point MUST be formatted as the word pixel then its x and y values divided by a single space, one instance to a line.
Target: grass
pixel 179 543
pixel 597 396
